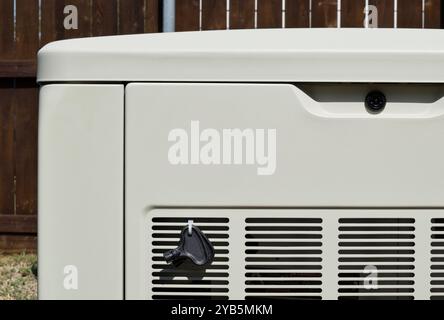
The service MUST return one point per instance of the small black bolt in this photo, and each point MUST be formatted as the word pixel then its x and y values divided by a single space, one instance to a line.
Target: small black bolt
pixel 375 102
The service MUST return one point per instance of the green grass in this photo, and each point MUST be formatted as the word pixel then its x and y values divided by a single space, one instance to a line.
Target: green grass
pixel 16 279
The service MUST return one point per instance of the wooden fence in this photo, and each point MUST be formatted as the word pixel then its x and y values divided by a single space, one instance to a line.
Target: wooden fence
pixel 27 25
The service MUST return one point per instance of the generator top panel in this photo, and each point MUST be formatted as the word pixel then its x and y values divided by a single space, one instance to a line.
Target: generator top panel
pixel 291 55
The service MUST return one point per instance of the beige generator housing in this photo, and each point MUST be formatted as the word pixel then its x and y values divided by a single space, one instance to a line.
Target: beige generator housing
pixel 312 160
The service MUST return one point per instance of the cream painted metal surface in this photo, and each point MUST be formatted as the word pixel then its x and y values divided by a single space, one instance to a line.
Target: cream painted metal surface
pixel 277 55
pixel 81 192
pixel 327 156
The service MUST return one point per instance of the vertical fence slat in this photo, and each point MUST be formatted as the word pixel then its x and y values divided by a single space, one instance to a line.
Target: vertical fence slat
pixel 432 14
pixel 6 28
pixel 52 21
pixel 269 13
pixel 104 17
pixel 7 158
pixel 297 14
pixel 131 16
pixel 26 109
pixel 352 13
pixel 214 14
pixel 241 14
pixel 53 17
pixel 324 13
pixel 385 12
pixel 187 15
pixel 52 27
pixel 152 11
pixel 84 16
pixel 27 29
pixel 410 14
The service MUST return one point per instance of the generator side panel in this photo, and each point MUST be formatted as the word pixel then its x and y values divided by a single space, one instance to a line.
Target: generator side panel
pixel 81 172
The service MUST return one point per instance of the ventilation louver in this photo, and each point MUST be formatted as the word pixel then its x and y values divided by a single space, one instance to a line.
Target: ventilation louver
pixel 188 281
pixel 376 258
pixel 437 252
pixel 301 254
pixel 283 258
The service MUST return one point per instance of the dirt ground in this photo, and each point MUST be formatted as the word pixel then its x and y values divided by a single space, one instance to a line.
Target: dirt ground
pixel 17 281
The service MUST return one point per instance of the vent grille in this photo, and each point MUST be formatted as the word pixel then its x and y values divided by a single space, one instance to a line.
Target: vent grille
pixel 437 252
pixel 188 281
pixel 329 254
pixel 283 258
pixel 376 258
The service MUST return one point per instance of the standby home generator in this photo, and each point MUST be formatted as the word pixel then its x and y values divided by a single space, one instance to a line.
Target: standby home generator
pixel 283 164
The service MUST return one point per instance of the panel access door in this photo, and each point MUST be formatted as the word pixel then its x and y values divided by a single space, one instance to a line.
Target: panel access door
pixel 307 146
